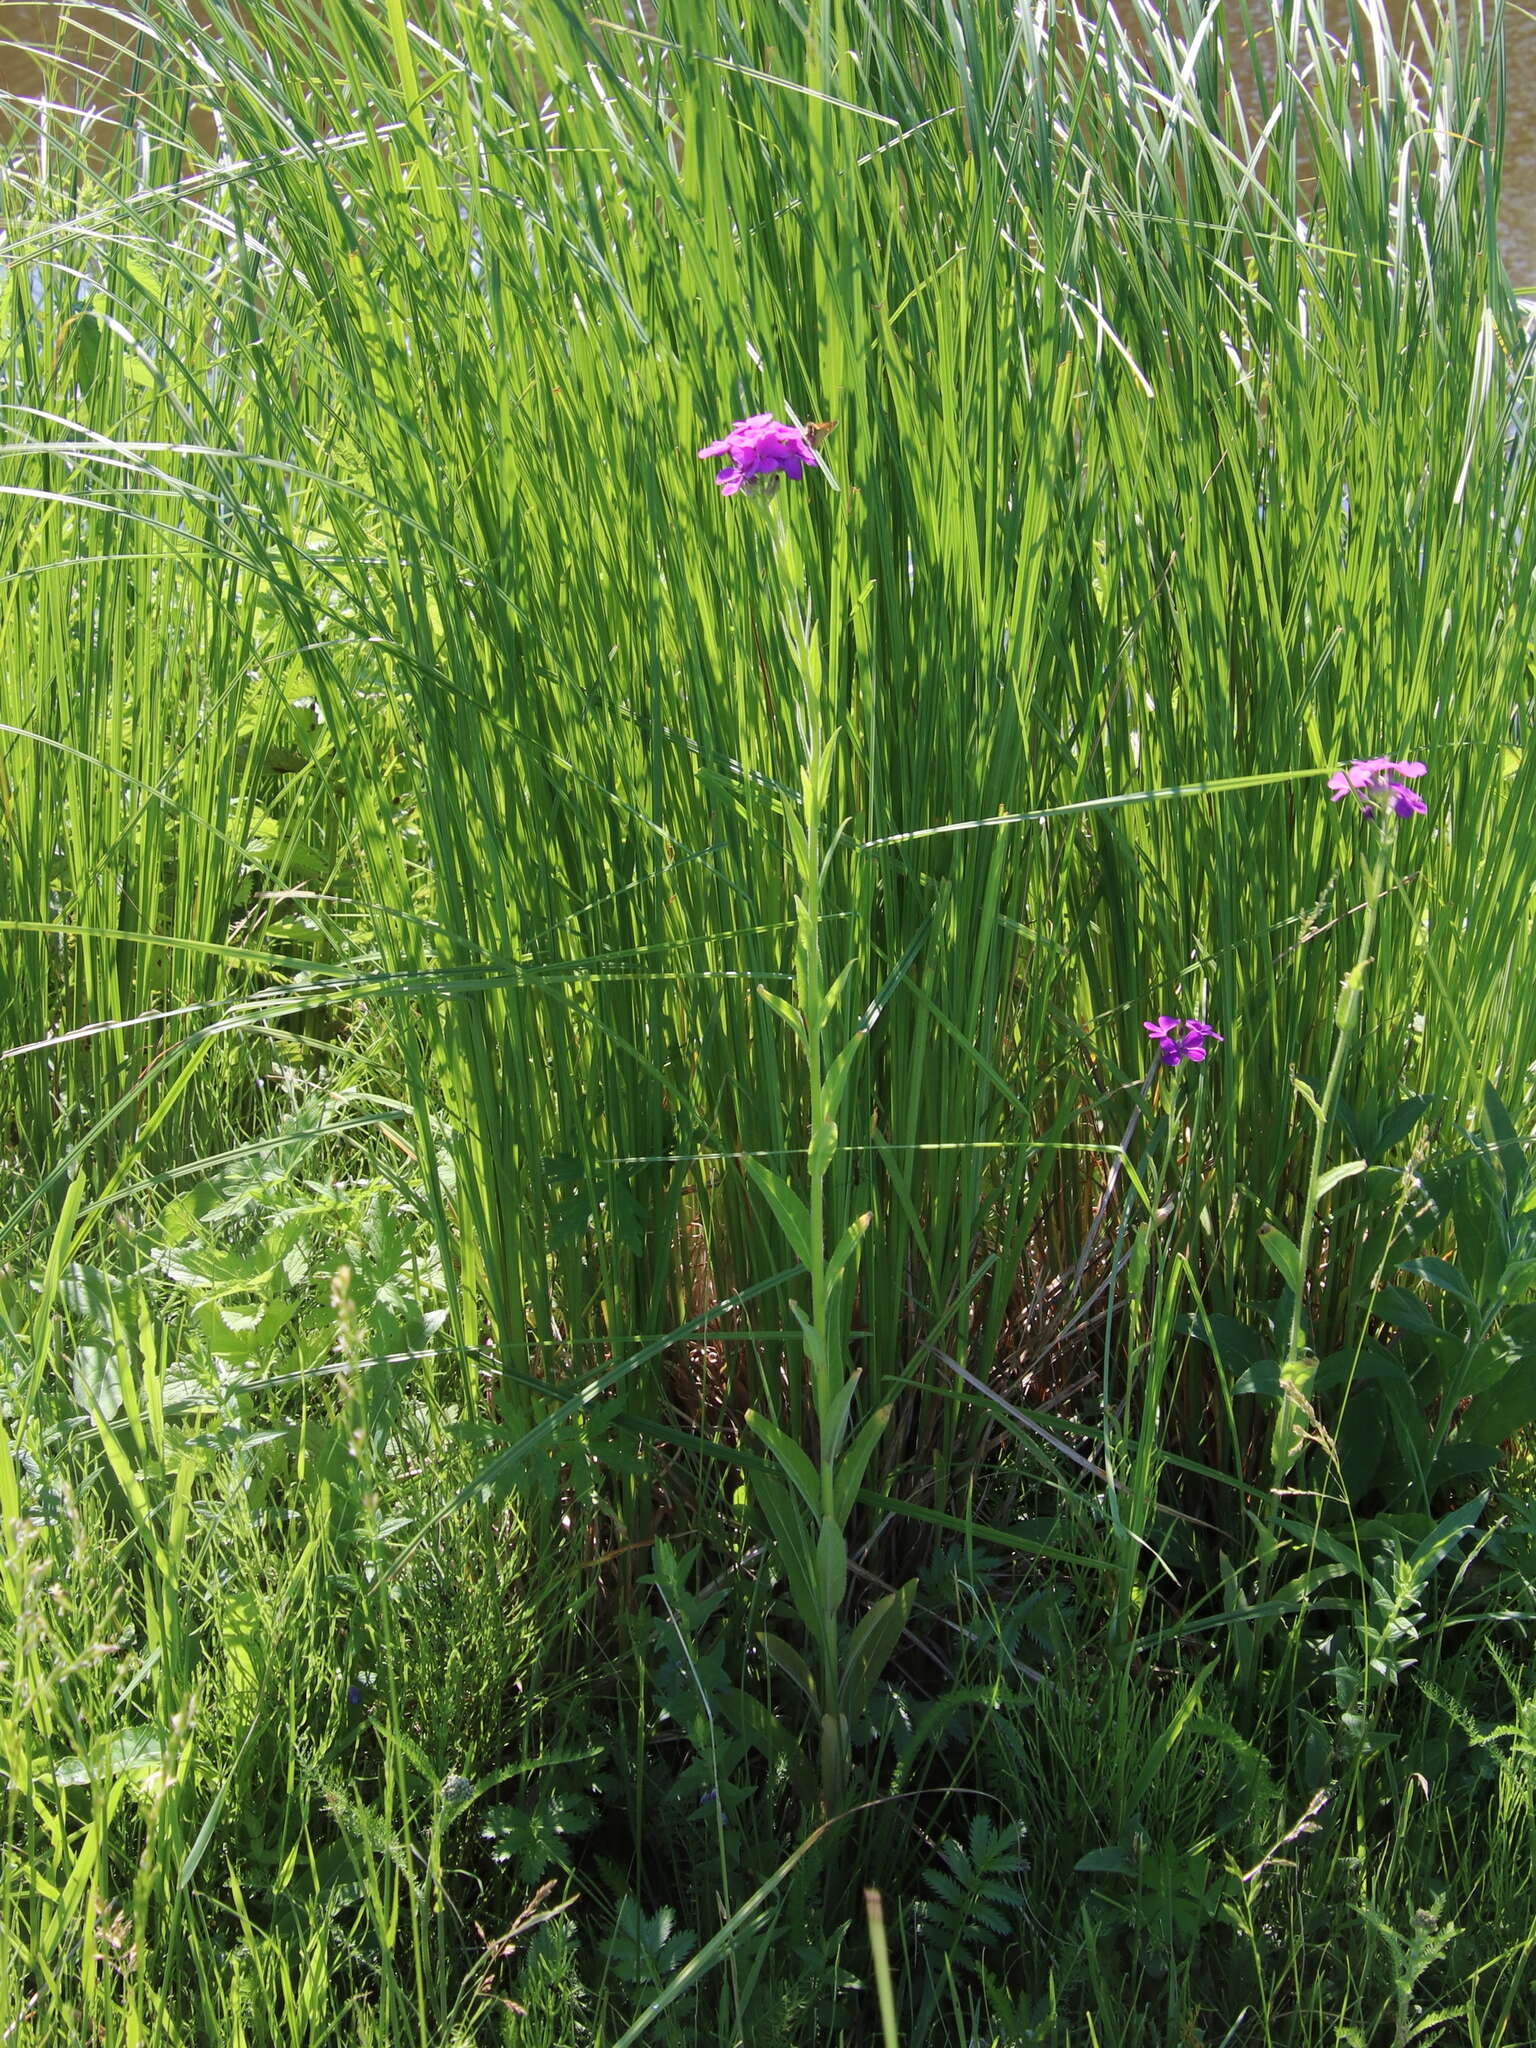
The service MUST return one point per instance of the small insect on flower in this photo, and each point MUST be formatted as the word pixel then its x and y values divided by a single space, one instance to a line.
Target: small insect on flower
pixel 759 451
pixel 1378 781
pixel 816 432
pixel 1181 1038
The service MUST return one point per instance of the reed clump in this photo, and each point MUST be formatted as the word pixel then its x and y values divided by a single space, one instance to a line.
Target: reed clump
pixel 718 1195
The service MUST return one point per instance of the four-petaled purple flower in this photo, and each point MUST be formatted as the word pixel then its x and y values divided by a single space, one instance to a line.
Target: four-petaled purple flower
pixel 1181 1038
pixel 1378 780
pixel 759 449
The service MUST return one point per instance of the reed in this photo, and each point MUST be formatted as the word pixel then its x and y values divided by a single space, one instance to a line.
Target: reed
pixel 725 924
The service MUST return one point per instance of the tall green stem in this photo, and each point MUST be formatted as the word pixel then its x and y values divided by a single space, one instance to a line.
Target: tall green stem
pixel 1298 1364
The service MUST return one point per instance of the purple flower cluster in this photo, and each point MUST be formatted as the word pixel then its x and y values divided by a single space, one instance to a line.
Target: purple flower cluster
pixel 1181 1038
pixel 1378 780
pixel 758 449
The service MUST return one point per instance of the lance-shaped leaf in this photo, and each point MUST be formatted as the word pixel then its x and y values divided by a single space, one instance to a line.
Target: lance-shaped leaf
pixel 845 1250
pixel 793 1462
pixel 855 1462
pixel 831 1566
pixel 792 1547
pixel 1327 1182
pixel 834 1424
pixel 1284 1254
pixel 815 1342
pixel 870 1648
pixel 834 994
pixel 793 1665
pixel 790 1015
pixel 835 1086
pixel 759 1726
pixel 823 1147
pixel 794 1217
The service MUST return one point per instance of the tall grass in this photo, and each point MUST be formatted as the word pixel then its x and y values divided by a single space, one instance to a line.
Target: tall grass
pixel 393 717
pixel 1154 470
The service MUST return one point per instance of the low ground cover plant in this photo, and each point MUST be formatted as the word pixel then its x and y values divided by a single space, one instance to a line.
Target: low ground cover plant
pixel 766 1257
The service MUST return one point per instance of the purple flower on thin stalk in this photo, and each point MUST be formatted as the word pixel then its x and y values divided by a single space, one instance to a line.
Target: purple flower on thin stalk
pixel 1378 781
pixel 759 450
pixel 1181 1038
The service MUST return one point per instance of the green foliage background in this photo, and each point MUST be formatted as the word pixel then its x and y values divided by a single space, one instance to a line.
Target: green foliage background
pixel 446 853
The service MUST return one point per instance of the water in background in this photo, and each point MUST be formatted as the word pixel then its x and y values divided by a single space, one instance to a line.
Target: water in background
pixel 26 22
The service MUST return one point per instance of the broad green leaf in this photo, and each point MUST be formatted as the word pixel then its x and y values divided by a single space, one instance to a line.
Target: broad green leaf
pixel 1284 1254
pixel 128 1754
pixel 1502 1411
pixel 1445 1535
pixel 95 1380
pixel 1442 1274
pixel 1327 1182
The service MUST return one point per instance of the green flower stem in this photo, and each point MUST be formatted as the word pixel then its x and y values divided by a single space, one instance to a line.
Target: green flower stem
pixel 1297 1362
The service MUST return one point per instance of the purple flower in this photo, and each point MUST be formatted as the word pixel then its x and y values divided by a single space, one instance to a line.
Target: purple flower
pixel 759 449
pixel 1181 1038
pixel 1369 782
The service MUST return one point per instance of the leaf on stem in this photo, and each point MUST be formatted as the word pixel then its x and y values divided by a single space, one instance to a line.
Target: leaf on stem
pixel 793 1216
pixel 871 1647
